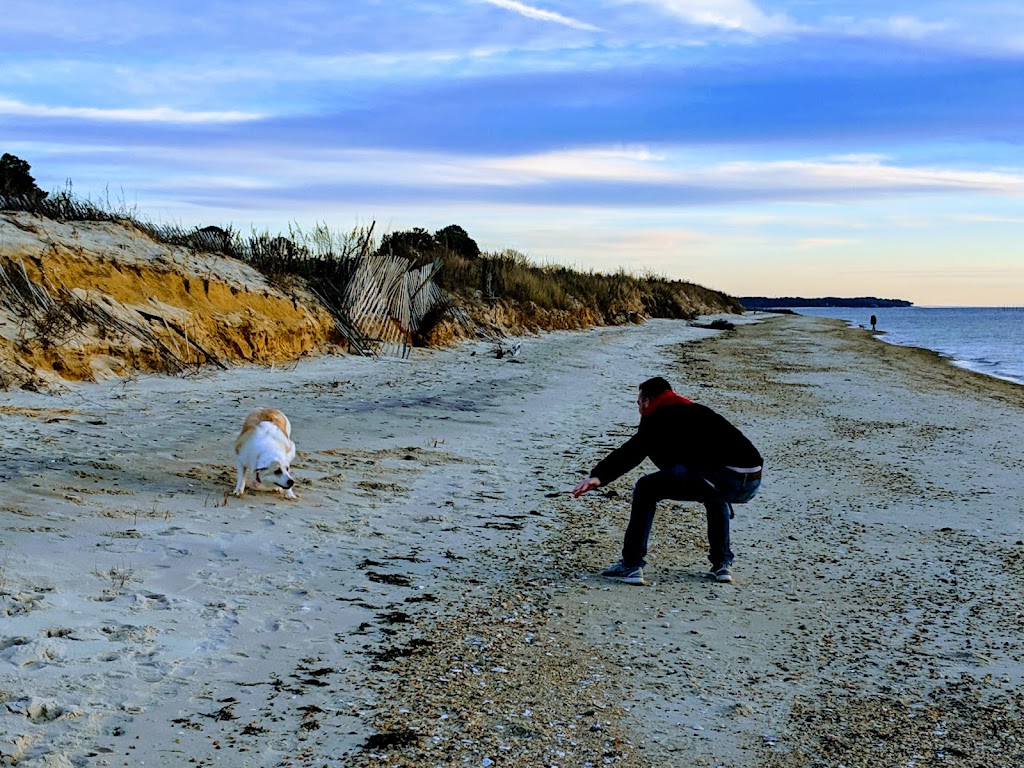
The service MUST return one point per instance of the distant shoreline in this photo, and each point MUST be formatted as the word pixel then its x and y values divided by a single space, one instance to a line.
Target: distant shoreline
pixel 975 339
pixel 765 303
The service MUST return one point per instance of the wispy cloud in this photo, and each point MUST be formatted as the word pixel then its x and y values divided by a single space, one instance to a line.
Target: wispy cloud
pixel 736 15
pixel 845 175
pixel 625 165
pixel 531 12
pixel 985 218
pixel 422 170
pixel 607 177
pixel 902 27
pixel 815 243
pixel 862 177
pixel 152 115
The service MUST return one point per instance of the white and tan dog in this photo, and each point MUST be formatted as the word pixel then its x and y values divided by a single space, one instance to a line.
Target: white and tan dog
pixel 265 449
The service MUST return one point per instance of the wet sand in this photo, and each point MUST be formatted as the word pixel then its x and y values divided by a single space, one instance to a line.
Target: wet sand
pixel 431 598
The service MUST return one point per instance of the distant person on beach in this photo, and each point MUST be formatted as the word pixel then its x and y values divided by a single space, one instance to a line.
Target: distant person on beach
pixel 700 456
pixel 873 321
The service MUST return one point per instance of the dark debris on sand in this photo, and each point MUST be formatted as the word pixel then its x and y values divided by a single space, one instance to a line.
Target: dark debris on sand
pixel 963 724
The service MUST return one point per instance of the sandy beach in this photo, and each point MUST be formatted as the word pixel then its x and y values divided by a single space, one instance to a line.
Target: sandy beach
pixel 432 597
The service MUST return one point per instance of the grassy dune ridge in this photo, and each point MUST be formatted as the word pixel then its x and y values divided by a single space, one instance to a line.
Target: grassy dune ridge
pixel 90 290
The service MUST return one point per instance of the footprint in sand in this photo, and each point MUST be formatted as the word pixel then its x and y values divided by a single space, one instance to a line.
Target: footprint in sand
pixel 39 710
pixel 17 605
pixel 34 653
pixel 287 625
pixel 128 633
pixel 150 602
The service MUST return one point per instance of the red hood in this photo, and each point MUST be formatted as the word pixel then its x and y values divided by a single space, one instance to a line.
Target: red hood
pixel 668 397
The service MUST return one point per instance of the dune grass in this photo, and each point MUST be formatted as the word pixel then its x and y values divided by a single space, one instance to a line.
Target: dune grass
pixel 449 275
pixel 619 296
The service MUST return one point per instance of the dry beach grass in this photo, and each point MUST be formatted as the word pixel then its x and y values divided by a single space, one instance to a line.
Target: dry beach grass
pixel 430 599
pixel 92 294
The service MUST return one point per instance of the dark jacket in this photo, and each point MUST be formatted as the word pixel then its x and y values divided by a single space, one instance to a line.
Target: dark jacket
pixel 680 432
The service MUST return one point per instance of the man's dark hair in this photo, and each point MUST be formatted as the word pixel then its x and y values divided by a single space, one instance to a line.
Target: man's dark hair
pixel 653 387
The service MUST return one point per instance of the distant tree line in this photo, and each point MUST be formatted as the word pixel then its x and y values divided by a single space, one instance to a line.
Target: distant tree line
pixel 764 302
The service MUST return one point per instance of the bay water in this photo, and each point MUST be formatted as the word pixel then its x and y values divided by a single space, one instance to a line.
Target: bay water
pixel 988 340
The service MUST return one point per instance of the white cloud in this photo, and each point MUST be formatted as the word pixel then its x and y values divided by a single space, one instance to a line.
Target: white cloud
pixel 531 12
pixel 611 165
pixel 855 174
pixel 287 166
pixel 152 115
pixel 736 15
pixel 627 165
pixel 905 27
pixel 618 172
pixel 986 218
pixel 859 176
pixel 861 158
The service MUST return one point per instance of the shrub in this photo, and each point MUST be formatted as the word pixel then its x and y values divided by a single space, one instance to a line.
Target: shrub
pixel 417 245
pixel 456 240
pixel 16 183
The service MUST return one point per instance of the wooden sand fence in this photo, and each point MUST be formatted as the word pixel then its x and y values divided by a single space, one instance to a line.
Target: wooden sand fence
pixel 378 301
pixel 385 301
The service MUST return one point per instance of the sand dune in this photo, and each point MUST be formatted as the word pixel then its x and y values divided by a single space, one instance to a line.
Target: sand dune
pixel 431 598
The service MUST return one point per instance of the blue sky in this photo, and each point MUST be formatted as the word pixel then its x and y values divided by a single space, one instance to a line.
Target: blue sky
pixel 800 147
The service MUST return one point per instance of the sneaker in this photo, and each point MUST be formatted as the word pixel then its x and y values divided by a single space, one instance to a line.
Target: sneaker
pixel 619 572
pixel 722 573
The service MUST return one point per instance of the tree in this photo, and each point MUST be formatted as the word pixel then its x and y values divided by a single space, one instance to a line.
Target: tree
pixel 16 182
pixel 417 245
pixel 458 241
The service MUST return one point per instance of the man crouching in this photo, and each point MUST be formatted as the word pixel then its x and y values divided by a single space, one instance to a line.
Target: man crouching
pixel 700 456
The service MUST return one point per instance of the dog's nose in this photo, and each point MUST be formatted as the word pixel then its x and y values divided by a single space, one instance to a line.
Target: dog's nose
pixel 290 483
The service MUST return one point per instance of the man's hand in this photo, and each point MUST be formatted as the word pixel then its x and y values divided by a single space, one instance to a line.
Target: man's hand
pixel 587 485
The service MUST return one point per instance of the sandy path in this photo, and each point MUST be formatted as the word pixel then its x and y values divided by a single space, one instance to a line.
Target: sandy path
pixel 148 616
pixel 877 615
pixel 430 598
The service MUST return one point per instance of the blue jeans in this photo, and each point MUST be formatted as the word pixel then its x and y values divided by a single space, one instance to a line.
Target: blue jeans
pixel 716 489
